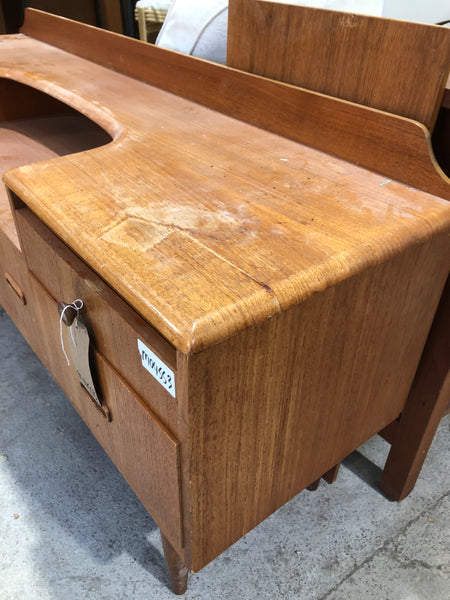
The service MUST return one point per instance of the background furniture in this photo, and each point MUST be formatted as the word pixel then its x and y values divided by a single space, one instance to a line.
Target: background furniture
pixel 114 15
pixel 12 15
pixel 150 17
pixel 2 22
pixel 78 10
pixel 197 28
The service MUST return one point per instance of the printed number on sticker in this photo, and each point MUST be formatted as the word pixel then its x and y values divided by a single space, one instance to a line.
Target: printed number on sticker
pixel 157 368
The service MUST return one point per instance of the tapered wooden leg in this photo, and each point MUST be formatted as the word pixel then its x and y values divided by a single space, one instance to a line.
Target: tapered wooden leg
pixel 413 439
pixel 314 485
pixel 331 475
pixel 425 407
pixel 178 572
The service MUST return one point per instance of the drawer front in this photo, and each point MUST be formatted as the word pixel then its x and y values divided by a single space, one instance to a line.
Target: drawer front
pixel 114 327
pixel 15 295
pixel 13 277
pixel 141 447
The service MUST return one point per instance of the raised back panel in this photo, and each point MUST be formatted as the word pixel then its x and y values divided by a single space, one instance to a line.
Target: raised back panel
pixel 395 66
pixel 383 142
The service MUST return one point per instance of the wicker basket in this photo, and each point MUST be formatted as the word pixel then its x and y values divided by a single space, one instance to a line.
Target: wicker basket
pixel 150 21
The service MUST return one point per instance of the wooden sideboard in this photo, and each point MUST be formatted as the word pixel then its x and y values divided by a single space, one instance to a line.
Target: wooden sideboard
pixel 257 308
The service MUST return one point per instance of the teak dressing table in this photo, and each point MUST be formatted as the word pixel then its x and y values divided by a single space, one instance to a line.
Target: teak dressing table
pixel 257 307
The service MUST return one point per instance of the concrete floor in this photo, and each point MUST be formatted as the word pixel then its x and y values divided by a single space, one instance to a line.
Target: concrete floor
pixel 71 529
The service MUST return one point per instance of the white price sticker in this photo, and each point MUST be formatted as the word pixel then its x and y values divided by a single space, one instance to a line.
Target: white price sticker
pixel 157 368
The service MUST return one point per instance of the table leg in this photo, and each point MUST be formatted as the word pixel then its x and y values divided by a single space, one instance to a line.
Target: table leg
pixel 425 407
pixel 178 572
pixel 331 475
pixel 314 485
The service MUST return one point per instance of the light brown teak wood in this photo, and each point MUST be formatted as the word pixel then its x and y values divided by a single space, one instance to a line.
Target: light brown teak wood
pixel 428 402
pixel 395 66
pixel 134 235
pixel 34 126
pixel 281 411
pixel 113 325
pixel 283 42
pixel 397 147
pixel 291 292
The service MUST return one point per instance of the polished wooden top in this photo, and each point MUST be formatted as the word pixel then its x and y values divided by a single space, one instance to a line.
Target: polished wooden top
pixel 400 148
pixel 203 223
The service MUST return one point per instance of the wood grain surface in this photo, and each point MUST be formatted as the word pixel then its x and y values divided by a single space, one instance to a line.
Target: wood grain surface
pixel 178 572
pixel 396 147
pixel 395 66
pixel 12 262
pixel 143 450
pixel 34 127
pixel 21 101
pixel 293 291
pixel 279 405
pixel 113 326
pixel 427 403
pixel 172 192
pixel 27 140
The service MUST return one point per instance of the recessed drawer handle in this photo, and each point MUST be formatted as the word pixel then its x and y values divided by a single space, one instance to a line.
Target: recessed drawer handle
pixel 15 287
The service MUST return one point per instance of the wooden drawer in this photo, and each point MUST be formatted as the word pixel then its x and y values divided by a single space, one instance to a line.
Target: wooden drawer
pixel 13 277
pixel 114 327
pixel 141 447
pixel 15 295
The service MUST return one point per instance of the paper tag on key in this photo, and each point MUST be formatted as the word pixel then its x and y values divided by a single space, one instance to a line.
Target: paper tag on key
pixel 78 337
